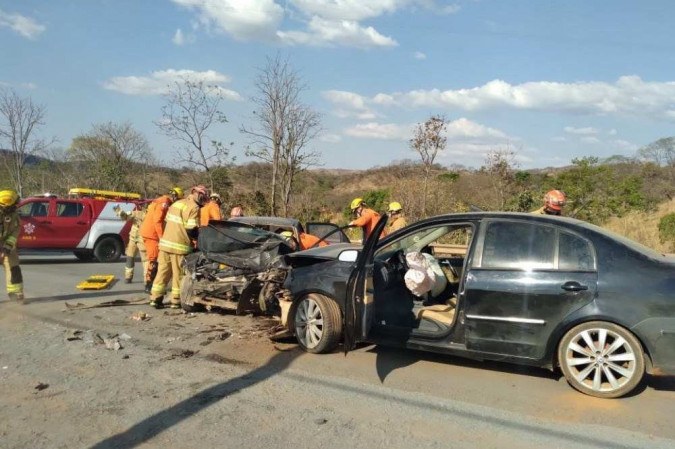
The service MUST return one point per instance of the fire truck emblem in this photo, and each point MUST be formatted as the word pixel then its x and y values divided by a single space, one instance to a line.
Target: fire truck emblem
pixel 29 228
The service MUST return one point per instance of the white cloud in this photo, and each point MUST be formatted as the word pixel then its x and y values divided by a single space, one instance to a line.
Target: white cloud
pixel 612 132
pixel 159 82
pixel 29 85
pixel 457 130
pixel 630 95
pixel 590 139
pixel 559 139
pixel 322 32
pixel 349 104
pixel 450 9
pixel 419 55
pixel 25 26
pixel 581 131
pixel 624 145
pixel 355 10
pixel 180 38
pixel 241 19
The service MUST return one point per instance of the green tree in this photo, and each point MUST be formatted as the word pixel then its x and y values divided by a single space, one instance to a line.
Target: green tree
pixel 667 229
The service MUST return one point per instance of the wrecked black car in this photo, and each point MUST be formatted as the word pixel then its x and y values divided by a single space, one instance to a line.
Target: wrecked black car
pixel 239 265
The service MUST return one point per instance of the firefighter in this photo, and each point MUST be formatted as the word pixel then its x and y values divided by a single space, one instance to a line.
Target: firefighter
pixel 135 244
pixel 237 211
pixel 365 218
pixel 211 210
pixel 9 233
pixel 554 200
pixel 182 226
pixel 396 216
pixel 152 229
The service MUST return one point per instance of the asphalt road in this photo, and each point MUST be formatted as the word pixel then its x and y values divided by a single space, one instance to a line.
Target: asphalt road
pixel 213 380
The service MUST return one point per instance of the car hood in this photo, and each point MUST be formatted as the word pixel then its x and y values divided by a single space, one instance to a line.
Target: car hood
pixel 319 254
pixel 240 246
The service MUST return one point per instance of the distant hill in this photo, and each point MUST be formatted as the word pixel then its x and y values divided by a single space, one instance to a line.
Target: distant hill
pixel 31 160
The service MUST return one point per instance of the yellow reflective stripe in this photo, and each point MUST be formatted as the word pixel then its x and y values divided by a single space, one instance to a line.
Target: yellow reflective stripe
pixel 175 292
pixel 179 205
pixel 11 240
pixel 173 245
pixel 14 288
pixel 158 288
pixel 191 223
pixel 174 219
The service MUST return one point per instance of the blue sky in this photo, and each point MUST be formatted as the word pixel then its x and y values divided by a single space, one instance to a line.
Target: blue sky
pixel 550 80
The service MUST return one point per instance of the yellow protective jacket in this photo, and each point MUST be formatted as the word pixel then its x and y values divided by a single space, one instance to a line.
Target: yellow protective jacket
pixel 9 231
pixel 136 216
pixel 182 216
pixel 210 211
pixel 396 224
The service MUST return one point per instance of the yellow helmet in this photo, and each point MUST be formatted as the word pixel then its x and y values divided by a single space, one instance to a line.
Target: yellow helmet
pixel 356 202
pixel 395 206
pixel 287 234
pixel 8 198
pixel 176 191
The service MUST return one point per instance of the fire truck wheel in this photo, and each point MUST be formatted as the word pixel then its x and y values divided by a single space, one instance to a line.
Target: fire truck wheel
pixel 108 249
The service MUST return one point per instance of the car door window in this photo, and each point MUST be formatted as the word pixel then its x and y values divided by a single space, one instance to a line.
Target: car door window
pixel 519 245
pixel 34 209
pixel 575 253
pixel 69 209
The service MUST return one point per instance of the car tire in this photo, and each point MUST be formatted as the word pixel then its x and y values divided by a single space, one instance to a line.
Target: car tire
pixel 84 255
pixel 317 323
pixel 186 292
pixel 108 249
pixel 601 359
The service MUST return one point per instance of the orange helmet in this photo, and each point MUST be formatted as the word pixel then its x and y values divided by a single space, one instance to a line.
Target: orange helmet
pixel 237 211
pixel 555 200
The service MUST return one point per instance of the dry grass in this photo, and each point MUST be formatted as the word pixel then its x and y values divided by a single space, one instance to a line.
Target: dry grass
pixel 644 227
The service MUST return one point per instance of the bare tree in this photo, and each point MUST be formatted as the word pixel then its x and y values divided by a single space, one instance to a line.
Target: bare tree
pixel 21 118
pixel 500 165
pixel 428 139
pixel 285 128
pixel 661 151
pixel 191 109
pixel 109 152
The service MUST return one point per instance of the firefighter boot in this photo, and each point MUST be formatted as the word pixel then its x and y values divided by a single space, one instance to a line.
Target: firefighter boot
pixel 129 270
pixel 157 303
pixel 16 297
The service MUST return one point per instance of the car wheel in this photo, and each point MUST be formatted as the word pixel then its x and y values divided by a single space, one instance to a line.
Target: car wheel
pixel 84 255
pixel 108 249
pixel 317 323
pixel 601 359
pixel 186 292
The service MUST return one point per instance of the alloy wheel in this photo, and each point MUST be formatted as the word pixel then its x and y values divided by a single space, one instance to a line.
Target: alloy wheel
pixel 309 323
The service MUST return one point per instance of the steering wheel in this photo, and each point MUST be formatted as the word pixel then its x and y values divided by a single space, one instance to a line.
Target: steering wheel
pixel 399 257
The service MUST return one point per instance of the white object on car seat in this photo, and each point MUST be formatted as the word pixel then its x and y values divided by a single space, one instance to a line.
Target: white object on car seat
pixel 420 277
pixel 441 281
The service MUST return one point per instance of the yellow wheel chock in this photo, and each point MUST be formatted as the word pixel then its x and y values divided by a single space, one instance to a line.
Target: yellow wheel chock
pixel 96 282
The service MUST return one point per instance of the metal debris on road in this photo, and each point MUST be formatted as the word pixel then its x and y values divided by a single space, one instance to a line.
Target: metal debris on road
pixel 41 386
pixel 75 335
pixel 140 316
pixel 112 343
pixel 113 303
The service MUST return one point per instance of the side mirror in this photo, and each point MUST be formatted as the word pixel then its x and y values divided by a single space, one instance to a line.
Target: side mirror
pixel 349 255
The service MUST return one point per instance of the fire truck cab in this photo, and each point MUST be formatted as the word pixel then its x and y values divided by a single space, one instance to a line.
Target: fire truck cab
pixel 85 223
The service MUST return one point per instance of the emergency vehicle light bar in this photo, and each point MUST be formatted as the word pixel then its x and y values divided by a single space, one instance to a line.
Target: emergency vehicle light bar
pixel 105 194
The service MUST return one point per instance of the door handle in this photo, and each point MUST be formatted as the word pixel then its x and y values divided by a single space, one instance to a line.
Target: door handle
pixel 45 222
pixel 82 222
pixel 573 286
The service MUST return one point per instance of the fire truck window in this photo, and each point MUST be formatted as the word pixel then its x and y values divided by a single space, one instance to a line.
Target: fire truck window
pixel 69 209
pixel 36 209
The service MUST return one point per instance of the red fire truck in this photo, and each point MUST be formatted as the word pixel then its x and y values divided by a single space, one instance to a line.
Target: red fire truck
pixel 85 223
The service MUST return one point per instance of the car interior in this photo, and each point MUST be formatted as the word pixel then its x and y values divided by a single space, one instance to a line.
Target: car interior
pixel 426 308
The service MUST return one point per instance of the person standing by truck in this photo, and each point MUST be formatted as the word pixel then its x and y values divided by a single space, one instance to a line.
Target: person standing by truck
pixel 152 229
pixel 135 244
pixel 182 226
pixel 9 233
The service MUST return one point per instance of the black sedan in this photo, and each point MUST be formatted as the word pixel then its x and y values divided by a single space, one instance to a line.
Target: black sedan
pixel 529 289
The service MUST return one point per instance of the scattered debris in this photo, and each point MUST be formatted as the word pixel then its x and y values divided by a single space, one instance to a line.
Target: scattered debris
pixel 125 356
pixel 178 353
pixel 112 343
pixel 320 421
pixel 92 338
pixel 41 386
pixel 75 335
pixel 140 316
pixel 125 337
pixel 113 303
pixel 5 367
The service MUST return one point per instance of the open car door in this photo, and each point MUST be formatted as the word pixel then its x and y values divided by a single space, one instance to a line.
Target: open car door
pixel 359 301
pixel 328 232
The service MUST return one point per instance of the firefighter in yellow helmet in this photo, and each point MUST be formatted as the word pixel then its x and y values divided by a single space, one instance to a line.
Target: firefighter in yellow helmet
pixel 396 218
pixel 366 218
pixel 554 200
pixel 182 225
pixel 9 233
